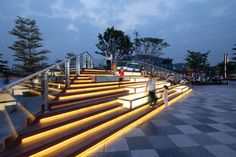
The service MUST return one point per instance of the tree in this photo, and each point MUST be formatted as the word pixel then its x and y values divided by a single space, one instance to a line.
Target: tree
pixel 148 49
pixel 234 58
pixel 115 42
pixel 3 64
pixel 27 47
pixel 231 68
pixel 197 60
pixel 70 54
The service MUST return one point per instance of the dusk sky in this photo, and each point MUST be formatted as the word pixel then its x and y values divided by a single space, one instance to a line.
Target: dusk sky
pixel 73 25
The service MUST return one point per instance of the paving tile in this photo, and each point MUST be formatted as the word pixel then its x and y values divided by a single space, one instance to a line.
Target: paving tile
pixel 220 120
pixel 192 121
pixel 182 141
pixel 160 142
pixel 197 152
pixel 188 129
pixel 206 120
pixel 222 138
pixel 144 152
pixel 232 146
pixel 205 128
pixel 233 134
pixel 117 154
pixel 135 133
pixel 171 152
pixel 150 129
pixel 138 143
pixel 161 123
pixel 222 127
pixel 94 155
pixel 168 130
pixel 181 116
pixel 221 151
pixel 116 145
pixel 203 139
pixel 232 125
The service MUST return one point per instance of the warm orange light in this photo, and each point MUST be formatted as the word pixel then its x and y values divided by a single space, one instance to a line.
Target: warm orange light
pixel 76 112
pixel 64 128
pixel 63 145
pixel 82 81
pixel 90 94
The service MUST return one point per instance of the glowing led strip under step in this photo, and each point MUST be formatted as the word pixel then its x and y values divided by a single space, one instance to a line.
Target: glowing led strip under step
pixel 90 94
pixel 64 128
pixel 76 112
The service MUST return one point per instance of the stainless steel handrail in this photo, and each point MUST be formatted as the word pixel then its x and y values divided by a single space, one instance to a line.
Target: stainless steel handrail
pixel 40 72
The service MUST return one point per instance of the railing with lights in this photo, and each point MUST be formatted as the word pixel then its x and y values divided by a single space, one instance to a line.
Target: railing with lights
pixel 36 91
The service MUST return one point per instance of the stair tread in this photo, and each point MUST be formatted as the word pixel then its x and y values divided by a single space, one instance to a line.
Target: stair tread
pixel 85 98
pixel 47 141
pixel 43 126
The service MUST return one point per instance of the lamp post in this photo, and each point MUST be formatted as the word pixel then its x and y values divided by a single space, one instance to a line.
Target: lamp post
pixel 225 67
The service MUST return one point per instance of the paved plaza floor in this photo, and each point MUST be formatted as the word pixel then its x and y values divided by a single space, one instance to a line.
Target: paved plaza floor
pixel 203 124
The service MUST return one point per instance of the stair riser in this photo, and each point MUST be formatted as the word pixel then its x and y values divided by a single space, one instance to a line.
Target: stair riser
pixel 65 122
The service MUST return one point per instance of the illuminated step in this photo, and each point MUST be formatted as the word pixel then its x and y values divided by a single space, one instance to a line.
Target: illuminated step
pixel 83 81
pixel 58 85
pixel 49 122
pixel 55 136
pixel 99 84
pixel 81 90
pixel 81 111
pixel 93 75
pixel 79 139
pixel 142 88
pixel 135 100
pixel 97 70
pixel 73 103
pixel 141 79
pixel 84 95
pixel 83 78
pixel 181 89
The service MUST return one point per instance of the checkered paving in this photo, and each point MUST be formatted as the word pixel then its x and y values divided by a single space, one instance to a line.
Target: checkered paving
pixel 203 124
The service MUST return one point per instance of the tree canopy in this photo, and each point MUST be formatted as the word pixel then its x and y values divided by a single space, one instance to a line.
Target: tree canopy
pixel 27 47
pixel 3 64
pixel 115 42
pixel 148 48
pixel 197 60
pixel 234 58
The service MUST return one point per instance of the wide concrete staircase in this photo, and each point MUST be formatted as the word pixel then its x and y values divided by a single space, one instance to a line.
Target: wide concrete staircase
pixel 85 114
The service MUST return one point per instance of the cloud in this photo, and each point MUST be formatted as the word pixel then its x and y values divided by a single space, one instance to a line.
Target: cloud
pixel 72 27
pixel 59 9
pixel 220 11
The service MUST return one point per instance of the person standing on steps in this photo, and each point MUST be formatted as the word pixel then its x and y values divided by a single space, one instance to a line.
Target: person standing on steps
pixel 151 88
pixel 165 95
pixel 121 76
pixel 109 60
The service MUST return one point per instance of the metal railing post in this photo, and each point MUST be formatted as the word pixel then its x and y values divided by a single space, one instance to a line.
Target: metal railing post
pixel 84 60
pixel 91 63
pixel 45 91
pixel 78 65
pixel 67 73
